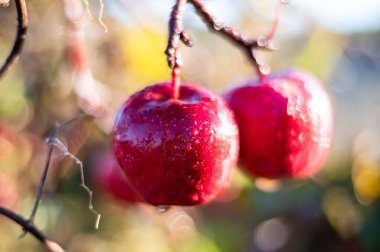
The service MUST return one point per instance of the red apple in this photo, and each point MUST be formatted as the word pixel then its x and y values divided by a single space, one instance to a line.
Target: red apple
pixel 110 179
pixel 176 151
pixel 285 124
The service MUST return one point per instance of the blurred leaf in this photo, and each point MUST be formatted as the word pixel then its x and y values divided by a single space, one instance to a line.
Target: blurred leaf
pixel 145 58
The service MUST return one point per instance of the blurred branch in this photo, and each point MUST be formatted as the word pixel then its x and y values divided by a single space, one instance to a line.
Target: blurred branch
pixel 234 36
pixel 58 143
pixel 4 2
pixel 53 142
pixel 100 13
pixel 22 19
pixel 30 228
pixel 176 33
pixel 43 178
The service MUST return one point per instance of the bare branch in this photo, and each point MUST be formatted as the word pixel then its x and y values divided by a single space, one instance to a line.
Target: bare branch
pixel 100 13
pixel 234 36
pixel 58 143
pixel 28 227
pixel 22 27
pixel 175 33
pixel 173 54
pixel 4 3
pixel 53 142
pixel 43 178
pixel 100 16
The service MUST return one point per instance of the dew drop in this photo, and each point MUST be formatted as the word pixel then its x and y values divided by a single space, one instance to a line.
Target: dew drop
pixel 325 143
pixel 300 100
pixel 194 197
pixel 293 132
pixel 218 25
pixel 302 137
pixel 194 132
pixel 304 117
pixel 162 208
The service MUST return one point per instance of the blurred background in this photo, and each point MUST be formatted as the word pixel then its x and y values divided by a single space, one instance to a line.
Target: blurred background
pixel 71 64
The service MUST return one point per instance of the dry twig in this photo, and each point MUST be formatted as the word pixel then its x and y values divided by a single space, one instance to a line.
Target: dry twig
pixel 22 27
pixel 28 227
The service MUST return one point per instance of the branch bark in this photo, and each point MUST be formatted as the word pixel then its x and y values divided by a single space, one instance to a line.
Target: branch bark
pixel 22 27
pixel 28 227
pixel 176 33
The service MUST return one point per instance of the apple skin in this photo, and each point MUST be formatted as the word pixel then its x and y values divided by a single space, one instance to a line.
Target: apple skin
pixel 285 123
pixel 176 151
pixel 107 175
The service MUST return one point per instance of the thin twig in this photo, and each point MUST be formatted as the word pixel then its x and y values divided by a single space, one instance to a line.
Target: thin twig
pixel 30 228
pixel 100 13
pixel 4 3
pixel 100 16
pixel 58 143
pixel 53 142
pixel 74 119
pixel 176 33
pixel 22 27
pixel 43 178
pixel 234 36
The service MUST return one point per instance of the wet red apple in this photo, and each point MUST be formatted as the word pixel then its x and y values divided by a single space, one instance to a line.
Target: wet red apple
pixel 108 176
pixel 285 123
pixel 176 151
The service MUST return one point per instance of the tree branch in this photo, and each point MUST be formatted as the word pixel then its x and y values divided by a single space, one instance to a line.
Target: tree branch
pixel 30 228
pixel 232 34
pixel 53 142
pixel 22 27
pixel 176 33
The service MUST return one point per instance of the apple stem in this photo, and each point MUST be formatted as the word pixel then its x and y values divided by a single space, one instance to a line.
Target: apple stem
pixel 176 81
pixel 176 34
pixel 22 27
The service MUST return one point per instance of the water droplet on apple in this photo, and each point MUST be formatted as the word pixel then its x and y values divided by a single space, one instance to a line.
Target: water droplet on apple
pixel 163 208
pixel 194 197
pixel 315 139
pixel 300 100
pixel 304 117
pixel 302 137
pixel 293 132
pixel 325 143
pixel 218 25
pixel 194 132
